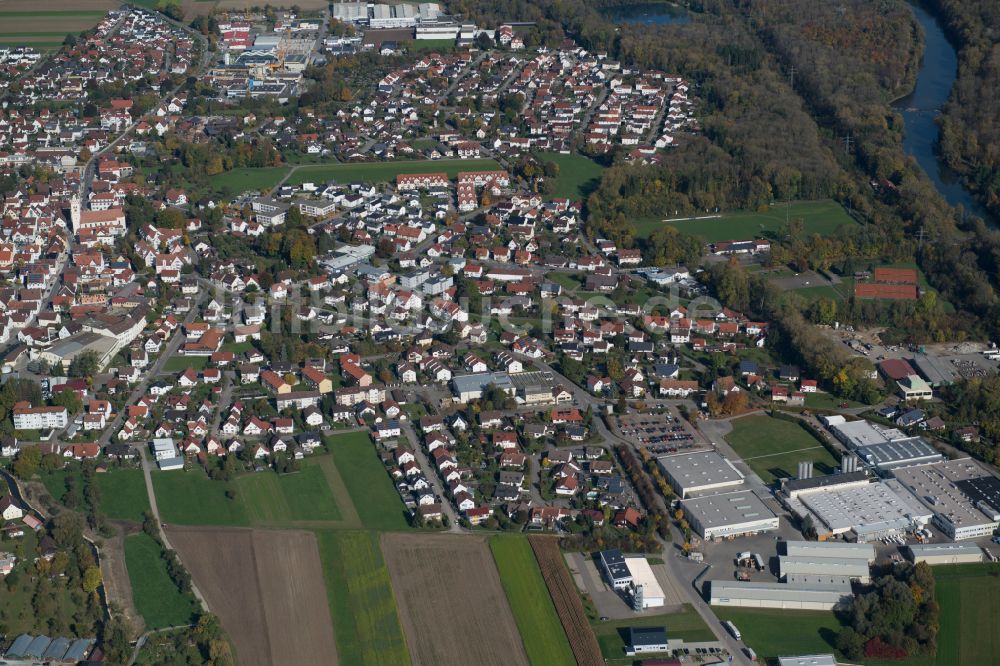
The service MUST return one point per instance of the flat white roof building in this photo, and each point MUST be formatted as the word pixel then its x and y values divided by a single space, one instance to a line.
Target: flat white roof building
pixel 752 594
pixel 646 590
pixel 944 553
pixel 960 493
pixel 729 514
pixel 700 471
pixel 867 512
pixel 855 434
pixel 899 452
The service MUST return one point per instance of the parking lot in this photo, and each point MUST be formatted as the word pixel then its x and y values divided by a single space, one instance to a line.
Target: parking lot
pixel 661 432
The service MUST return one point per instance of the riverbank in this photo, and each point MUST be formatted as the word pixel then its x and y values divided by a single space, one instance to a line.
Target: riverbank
pixel 921 109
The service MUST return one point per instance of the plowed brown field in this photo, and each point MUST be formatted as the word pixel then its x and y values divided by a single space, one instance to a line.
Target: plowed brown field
pixel 451 604
pixel 267 589
pixel 567 601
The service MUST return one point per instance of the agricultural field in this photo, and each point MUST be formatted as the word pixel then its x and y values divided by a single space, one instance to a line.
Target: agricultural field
pixel 543 635
pixel 370 488
pixel 156 596
pixel 321 495
pixel 686 625
pixel 818 217
pixel 566 598
pixel 432 573
pixel 45 26
pixel 263 586
pixel 384 172
pixel 365 621
pixel 191 498
pixel 578 175
pixel 275 500
pixel 773 447
pixel 238 181
pixel 123 494
pixel 969 596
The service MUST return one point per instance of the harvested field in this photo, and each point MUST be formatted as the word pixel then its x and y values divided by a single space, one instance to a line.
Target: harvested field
pixel 567 601
pixel 266 587
pixel 45 25
pixel 438 576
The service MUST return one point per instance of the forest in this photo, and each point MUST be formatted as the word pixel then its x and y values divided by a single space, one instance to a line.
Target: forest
pixel 970 127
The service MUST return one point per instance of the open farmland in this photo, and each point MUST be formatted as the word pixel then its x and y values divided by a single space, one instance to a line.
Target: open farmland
pixel 365 621
pixel 191 498
pixel 370 488
pixel 44 26
pixel 384 172
pixel 818 217
pixel 275 500
pixel 543 635
pixel 451 602
pixel 123 494
pixel 237 181
pixel 264 587
pixel 969 596
pixel 566 598
pixel 773 447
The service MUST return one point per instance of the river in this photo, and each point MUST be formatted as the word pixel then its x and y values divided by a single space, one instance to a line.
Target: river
pixel 920 109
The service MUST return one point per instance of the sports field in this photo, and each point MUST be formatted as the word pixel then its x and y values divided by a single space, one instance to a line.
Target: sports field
pixel 542 633
pixel 371 491
pixel 383 172
pixel 818 217
pixel 365 620
pixel 773 447
pixel 156 597
pixel 578 175
pixel 686 625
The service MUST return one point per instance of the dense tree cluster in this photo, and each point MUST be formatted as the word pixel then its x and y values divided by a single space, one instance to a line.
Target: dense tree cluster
pixel 897 616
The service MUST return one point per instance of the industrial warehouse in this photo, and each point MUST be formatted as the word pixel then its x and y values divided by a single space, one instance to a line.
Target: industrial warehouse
pixel 401 15
pixel 699 472
pixel 778 595
pixel 858 510
pixel 817 576
pixel 934 554
pixel 729 514
pixel 961 495
pixel 880 447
